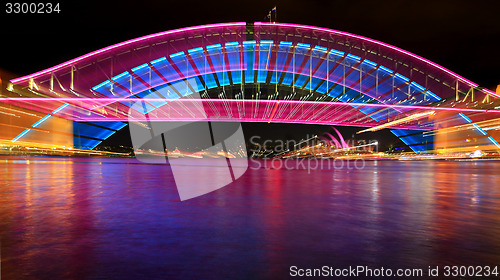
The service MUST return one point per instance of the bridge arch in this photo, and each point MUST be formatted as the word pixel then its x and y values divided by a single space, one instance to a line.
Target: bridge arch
pixel 358 80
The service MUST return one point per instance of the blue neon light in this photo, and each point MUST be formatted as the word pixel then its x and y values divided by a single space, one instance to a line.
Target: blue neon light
pixel 268 42
pixel 41 121
pixel 475 125
pixel 176 54
pixel 110 125
pixel 60 108
pixel 20 135
pixel 404 141
pixel 480 129
pixel 139 67
pixel 87 144
pixel 101 84
pixel 232 44
pixel 402 77
pixel 249 42
pixel 195 50
pixel 285 43
pixel 433 95
pixel 306 46
pixel 119 76
pixel 214 46
pixel 339 53
pixel 158 60
pixel 353 57
pixel 493 141
pixel 320 48
pixel 370 62
pixel 421 88
pixel 95 144
pixel 385 69
pixel 465 117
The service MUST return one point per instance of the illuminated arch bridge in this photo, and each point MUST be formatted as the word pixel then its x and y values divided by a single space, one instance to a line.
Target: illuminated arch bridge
pixel 258 72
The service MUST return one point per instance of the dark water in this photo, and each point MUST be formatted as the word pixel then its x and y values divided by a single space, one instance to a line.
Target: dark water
pixel 116 219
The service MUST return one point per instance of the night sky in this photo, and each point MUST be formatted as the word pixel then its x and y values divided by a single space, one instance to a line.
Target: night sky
pixel 462 36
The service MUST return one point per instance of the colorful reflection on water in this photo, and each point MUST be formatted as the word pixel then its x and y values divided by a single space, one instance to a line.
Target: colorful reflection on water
pixel 120 219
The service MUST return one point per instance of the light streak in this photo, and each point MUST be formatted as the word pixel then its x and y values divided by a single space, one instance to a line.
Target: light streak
pixel 41 121
pixel 304 141
pixel 375 42
pixel 274 111
pixel 403 120
pixel 60 108
pixel 494 141
pixel 355 147
pixel 119 76
pixel 158 60
pixel 112 47
pixel 309 102
pixel 176 54
pixel 20 135
pixel 139 67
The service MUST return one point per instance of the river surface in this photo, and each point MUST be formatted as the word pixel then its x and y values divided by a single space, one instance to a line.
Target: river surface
pixel 112 218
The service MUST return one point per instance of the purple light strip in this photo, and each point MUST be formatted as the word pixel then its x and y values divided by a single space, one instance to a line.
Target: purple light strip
pixel 379 43
pixel 20 79
pixel 285 102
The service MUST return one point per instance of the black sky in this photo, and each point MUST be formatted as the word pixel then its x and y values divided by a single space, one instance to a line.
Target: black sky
pixel 462 36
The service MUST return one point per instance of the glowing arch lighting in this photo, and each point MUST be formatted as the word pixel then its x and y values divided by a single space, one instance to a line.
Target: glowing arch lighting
pixel 364 82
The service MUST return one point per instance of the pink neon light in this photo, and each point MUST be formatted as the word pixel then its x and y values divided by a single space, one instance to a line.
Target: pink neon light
pixel 339 123
pixel 123 44
pixel 333 140
pixel 490 92
pixel 256 23
pixel 344 144
pixel 286 69
pixel 382 44
pixel 229 110
pixel 373 41
pixel 285 102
